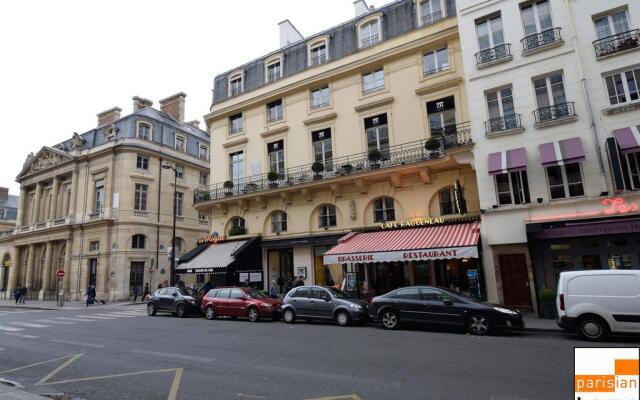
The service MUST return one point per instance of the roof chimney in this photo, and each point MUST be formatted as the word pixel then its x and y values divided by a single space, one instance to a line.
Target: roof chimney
pixel 174 106
pixel 288 33
pixel 109 116
pixel 4 193
pixel 361 7
pixel 140 102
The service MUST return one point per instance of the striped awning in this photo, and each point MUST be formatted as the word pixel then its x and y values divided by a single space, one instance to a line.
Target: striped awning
pixel 628 139
pixel 213 260
pixel 508 161
pixel 561 152
pixel 415 244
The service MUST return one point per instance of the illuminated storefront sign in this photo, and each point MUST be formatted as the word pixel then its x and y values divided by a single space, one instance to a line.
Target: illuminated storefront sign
pixel 610 206
pixel 412 223
pixel 212 239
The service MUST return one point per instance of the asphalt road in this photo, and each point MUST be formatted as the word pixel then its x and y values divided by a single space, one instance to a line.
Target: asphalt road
pixel 117 352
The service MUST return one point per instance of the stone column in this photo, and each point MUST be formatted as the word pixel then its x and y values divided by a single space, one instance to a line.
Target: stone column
pixel 72 198
pixel 13 271
pixel 47 271
pixel 21 207
pixel 67 265
pixel 35 218
pixel 53 207
pixel 31 258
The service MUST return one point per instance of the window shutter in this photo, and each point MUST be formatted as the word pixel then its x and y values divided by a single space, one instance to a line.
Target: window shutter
pixel 615 166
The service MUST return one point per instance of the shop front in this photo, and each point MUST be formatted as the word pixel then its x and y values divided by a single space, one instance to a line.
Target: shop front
pixel 403 254
pixel 222 262
pixel 604 237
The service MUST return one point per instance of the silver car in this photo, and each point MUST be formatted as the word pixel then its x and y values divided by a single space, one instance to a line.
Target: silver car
pixel 323 303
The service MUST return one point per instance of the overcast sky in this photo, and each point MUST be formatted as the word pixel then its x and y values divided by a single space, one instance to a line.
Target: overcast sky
pixel 65 61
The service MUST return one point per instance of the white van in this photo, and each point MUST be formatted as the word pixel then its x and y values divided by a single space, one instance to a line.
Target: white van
pixel 597 302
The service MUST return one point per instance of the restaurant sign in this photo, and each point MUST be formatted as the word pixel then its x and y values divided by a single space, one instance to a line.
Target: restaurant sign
pixel 411 223
pixel 404 255
pixel 212 239
pixel 589 229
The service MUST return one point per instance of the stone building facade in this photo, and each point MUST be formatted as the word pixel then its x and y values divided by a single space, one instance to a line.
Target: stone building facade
pixel 99 205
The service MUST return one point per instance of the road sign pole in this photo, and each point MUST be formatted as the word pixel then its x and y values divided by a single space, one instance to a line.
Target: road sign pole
pixel 60 296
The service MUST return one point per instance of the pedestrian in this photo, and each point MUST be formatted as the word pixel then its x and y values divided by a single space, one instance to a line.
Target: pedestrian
pixel 290 283
pixel 299 282
pixel 159 285
pixel 135 293
pixel 145 292
pixel 17 293
pixel 91 295
pixel 273 290
pixel 23 294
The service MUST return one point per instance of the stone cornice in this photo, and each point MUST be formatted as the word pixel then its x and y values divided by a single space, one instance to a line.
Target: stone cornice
pixel 270 132
pixel 374 104
pixel 431 87
pixel 320 119
pixel 236 142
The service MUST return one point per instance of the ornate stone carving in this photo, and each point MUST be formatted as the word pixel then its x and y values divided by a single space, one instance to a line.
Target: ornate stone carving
pixel 46 159
pixel 77 143
pixel 28 160
pixel 352 210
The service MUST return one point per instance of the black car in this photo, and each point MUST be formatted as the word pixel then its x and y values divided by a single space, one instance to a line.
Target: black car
pixel 324 303
pixel 180 301
pixel 431 305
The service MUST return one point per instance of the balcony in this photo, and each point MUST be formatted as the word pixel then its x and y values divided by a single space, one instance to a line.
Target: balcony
pixel 614 44
pixel 557 113
pixel 369 41
pixel 393 156
pixel 236 91
pixel 541 41
pixel 511 123
pixel 494 55
pixel 318 59
pixel 439 15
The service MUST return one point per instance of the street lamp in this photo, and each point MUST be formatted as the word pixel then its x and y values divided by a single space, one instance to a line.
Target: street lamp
pixel 172 268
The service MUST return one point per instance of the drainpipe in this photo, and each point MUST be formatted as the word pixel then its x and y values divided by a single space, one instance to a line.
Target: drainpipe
pixel 158 225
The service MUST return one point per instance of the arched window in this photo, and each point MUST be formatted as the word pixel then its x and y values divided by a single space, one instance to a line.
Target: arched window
pixel 237 226
pixel 384 210
pixel 279 222
pixel 327 216
pixel 447 202
pixel 138 241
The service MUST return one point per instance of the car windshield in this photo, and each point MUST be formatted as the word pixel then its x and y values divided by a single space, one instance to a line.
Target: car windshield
pixel 256 294
pixel 337 293
pixel 184 291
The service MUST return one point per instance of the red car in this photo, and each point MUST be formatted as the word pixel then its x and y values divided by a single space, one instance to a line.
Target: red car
pixel 240 302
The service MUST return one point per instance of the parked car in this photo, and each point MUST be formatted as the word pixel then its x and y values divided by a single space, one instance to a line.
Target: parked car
pixel 432 305
pixel 323 303
pixel 598 302
pixel 240 302
pixel 180 301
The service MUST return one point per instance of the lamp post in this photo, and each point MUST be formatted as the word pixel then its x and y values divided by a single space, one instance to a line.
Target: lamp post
pixel 172 267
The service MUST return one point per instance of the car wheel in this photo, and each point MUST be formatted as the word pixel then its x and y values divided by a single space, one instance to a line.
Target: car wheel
pixel 252 314
pixel 180 311
pixel 592 328
pixel 478 324
pixel 210 313
pixel 389 319
pixel 342 318
pixel 151 309
pixel 289 316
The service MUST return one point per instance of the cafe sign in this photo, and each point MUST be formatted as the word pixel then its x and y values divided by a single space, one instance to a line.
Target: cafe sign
pixel 212 239
pixel 412 223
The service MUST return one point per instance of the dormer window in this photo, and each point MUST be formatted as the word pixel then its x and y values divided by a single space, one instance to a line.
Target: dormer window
pixel 204 152
pixel 318 51
pixel 370 32
pixel 273 68
pixel 144 131
pixel 181 143
pixel 236 84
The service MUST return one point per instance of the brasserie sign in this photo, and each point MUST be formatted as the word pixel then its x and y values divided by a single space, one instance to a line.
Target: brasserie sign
pixel 412 223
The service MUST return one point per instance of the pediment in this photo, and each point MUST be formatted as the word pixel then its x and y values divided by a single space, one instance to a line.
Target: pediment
pixel 46 158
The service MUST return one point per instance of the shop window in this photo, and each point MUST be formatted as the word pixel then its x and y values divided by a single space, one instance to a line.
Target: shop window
pixel 200 279
pixel 560 246
pixel 591 261
pixel 447 203
pixel 565 181
pixel 617 243
pixel 279 222
pixel 620 261
pixel 512 188
pixel 384 210
pixel 138 241
pixel 327 216
pixel 561 264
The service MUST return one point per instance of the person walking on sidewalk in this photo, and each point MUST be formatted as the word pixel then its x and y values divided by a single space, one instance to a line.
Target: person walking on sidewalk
pixel 91 295
pixel 23 294
pixel 135 293
pixel 17 293
pixel 145 292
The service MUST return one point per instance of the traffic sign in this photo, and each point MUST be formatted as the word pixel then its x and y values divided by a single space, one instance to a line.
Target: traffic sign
pixel 60 273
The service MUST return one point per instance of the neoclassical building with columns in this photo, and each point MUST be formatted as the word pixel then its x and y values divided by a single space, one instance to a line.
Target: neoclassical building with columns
pixel 99 205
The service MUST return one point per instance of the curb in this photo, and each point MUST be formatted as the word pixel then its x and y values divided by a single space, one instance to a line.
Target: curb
pixel 547 330
pixel 31 307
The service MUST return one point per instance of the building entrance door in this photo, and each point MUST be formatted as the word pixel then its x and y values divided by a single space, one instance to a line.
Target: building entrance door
pixel 280 268
pixel 515 280
pixel 136 277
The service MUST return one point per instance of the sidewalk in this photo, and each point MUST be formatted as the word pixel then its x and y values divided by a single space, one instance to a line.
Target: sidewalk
pixel 534 323
pixel 12 391
pixel 51 305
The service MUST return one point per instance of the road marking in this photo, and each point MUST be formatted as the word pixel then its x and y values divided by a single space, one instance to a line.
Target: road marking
pixel 30 325
pixel 94 378
pixel 344 397
pixel 35 364
pixel 21 335
pixel 95 346
pixel 175 385
pixel 10 329
pixel 50 321
pixel 58 369
pixel 92 316
pixel 250 396
pixel 118 315
pixel 170 355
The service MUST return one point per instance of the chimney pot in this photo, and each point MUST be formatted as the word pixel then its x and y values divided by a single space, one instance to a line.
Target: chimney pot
pixel 109 116
pixel 361 7
pixel 174 106
pixel 140 102
pixel 195 123
pixel 288 33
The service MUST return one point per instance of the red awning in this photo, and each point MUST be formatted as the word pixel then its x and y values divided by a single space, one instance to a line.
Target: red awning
pixel 425 243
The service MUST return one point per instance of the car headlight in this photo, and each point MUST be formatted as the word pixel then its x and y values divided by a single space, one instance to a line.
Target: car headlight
pixel 505 310
pixel 355 306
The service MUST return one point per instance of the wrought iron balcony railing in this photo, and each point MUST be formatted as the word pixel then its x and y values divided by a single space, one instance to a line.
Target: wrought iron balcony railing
pixel 554 112
pixel 541 39
pixel 318 59
pixel 500 52
pixel 235 91
pixel 431 18
pixel 369 41
pixel 617 43
pixel 407 153
pixel 501 124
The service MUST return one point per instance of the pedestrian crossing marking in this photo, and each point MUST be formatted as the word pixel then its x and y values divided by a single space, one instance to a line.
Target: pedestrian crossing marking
pixel 21 335
pixel 50 321
pixel 29 324
pixel 92 316
pixel 75 319
pixel 10 329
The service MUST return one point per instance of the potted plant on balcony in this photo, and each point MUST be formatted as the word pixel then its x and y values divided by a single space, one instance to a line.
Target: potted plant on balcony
pixel 317 168
pixel 374 158
pixel 347 168
pixel 228 188
pixel 273 177
pixel 547 299
pixel 237 230
pixel 204 196
pixel 432 145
